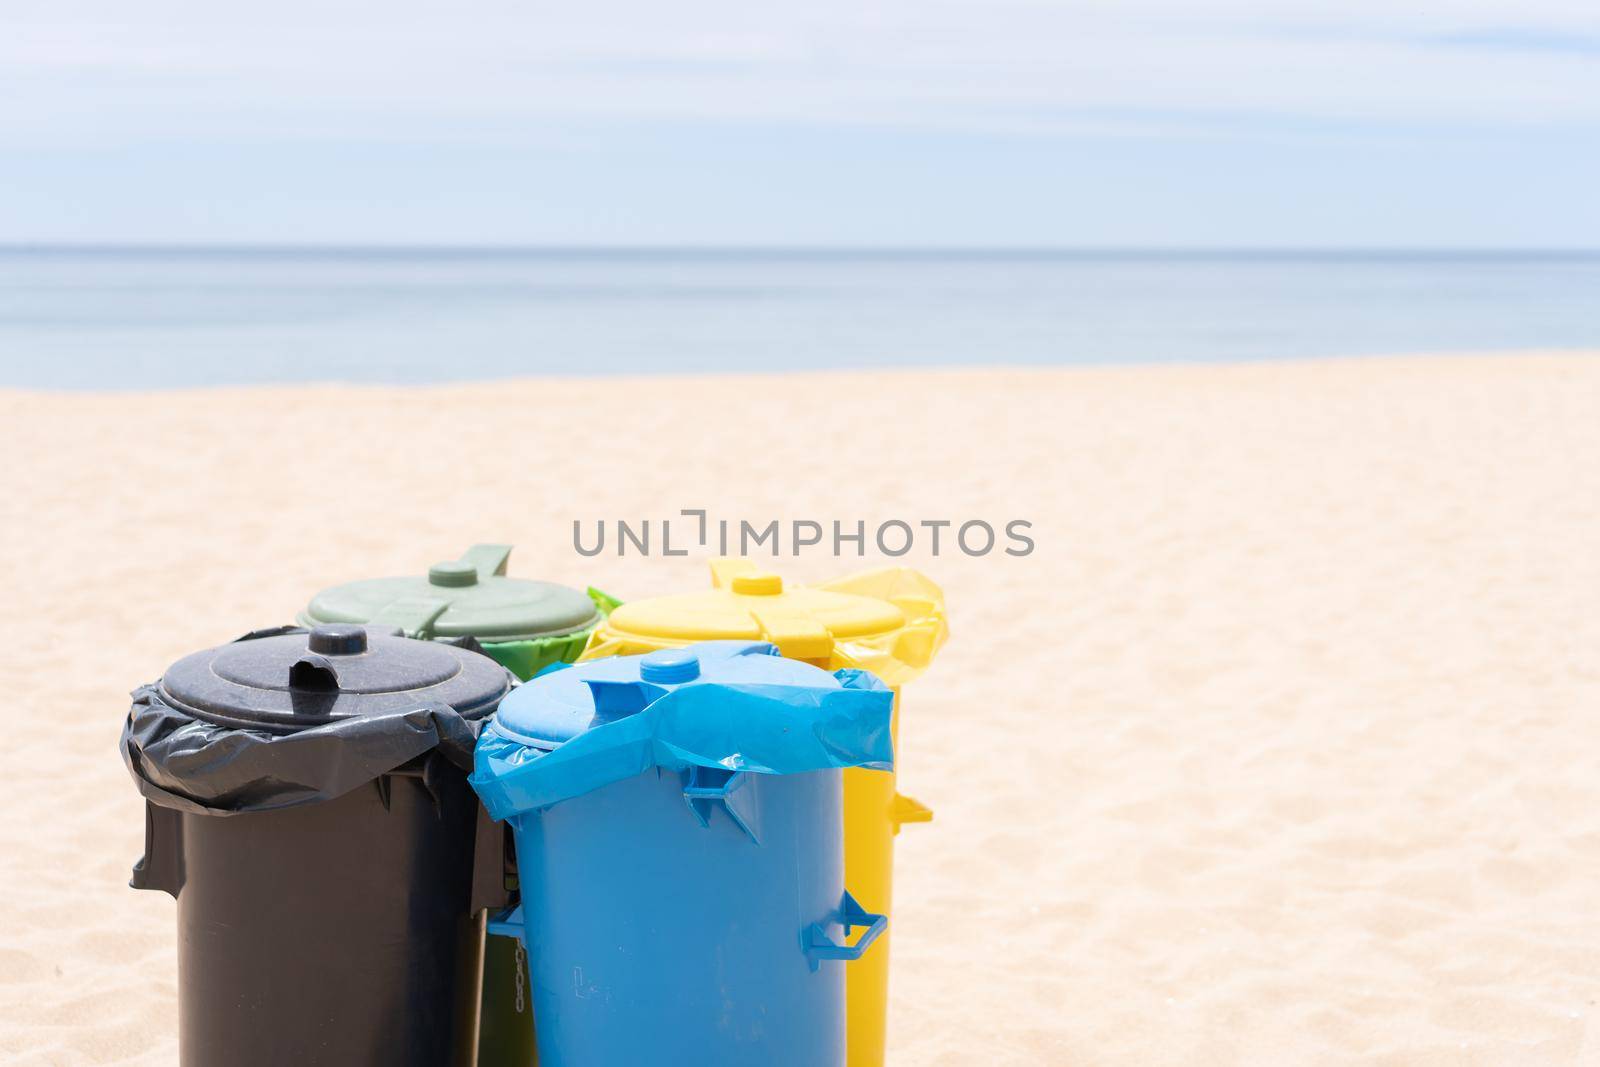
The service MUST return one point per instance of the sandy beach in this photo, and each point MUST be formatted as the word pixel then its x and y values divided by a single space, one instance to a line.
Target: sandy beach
pixel 1279 749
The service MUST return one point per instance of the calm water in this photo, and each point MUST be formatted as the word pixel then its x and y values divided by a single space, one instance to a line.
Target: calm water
pixel 142 319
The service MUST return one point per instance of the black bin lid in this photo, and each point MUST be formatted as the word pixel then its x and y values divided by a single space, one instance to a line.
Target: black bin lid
pixel 296 680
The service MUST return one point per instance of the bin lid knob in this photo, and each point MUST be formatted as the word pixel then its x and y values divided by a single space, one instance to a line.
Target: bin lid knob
pixel 758 584
pixel 338 639
pixel 455 572
pixel 670 666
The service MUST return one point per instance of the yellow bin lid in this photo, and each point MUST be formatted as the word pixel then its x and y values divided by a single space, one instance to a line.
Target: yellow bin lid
pixel 889 621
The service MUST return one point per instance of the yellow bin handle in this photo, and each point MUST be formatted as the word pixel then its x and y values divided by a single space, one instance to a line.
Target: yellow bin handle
pixel 906 810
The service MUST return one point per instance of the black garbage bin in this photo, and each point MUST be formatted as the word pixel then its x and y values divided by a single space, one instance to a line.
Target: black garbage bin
pixel 307 805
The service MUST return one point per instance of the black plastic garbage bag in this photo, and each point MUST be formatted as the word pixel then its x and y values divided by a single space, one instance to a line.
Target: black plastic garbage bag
pixel 188 764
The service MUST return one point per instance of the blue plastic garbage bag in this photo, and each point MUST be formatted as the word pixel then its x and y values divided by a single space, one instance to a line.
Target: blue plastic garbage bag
pixel 741 721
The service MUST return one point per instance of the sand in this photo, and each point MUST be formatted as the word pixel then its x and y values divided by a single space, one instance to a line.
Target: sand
pixel 1281 748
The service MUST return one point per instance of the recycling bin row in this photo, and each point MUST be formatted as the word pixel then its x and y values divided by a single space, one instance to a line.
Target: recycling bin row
pixel 410 830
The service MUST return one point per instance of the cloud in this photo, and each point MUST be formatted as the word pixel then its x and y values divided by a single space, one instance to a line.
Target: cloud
pixel 85 71
pixel 1518 39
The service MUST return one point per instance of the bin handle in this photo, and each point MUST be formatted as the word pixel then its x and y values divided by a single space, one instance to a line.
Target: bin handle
pixel 905 809
pixel 492 861
pixel 489 559
pixel 312 673
pixel 161 866
pixel 732 791
pixel 414 615
pixel 507 923
pixel 819 946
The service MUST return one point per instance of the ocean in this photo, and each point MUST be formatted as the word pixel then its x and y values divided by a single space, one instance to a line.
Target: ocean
pixel 156 318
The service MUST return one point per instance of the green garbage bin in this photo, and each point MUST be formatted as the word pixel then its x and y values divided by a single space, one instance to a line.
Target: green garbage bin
pixel 525 625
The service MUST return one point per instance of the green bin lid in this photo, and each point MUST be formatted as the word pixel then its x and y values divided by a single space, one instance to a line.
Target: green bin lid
pixel 466 597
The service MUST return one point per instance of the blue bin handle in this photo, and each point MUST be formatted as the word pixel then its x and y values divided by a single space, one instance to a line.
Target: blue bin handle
pixel 508 923
pixel 709 788
pixel 819 946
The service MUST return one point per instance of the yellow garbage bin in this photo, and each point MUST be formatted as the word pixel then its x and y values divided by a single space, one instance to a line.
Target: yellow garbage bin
pixel 889 621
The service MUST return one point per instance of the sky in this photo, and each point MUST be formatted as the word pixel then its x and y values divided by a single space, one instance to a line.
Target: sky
pixel 1133 123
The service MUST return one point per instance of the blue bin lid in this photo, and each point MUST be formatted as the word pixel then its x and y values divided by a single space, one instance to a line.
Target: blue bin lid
pixel 737 705
pixel 555 707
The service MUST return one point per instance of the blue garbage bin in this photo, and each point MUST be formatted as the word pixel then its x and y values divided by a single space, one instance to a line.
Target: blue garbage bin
pixel 677 819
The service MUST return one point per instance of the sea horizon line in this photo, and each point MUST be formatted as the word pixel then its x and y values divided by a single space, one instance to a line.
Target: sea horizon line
pixel 381 250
